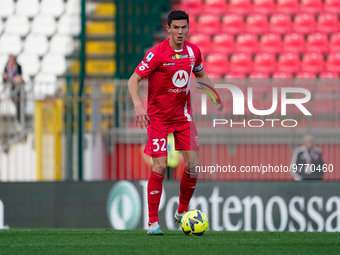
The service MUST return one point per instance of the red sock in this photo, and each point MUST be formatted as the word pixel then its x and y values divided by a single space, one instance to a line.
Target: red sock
pixel 187 188
pixel 154 195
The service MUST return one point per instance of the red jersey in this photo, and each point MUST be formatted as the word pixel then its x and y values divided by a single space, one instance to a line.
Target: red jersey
pixel 168 72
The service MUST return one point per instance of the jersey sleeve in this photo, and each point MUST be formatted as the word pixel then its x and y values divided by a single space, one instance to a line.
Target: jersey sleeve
pixel 148 65
pixel 198 64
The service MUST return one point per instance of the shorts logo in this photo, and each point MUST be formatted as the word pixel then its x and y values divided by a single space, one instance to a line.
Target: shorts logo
pixel 149 57
pixel 180 78
pixel 197 141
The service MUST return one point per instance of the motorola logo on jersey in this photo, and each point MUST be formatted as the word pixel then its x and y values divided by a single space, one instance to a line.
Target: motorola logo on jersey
pixel 180 78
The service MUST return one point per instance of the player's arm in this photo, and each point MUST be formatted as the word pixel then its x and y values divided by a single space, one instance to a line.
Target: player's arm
pixel 142 118
pixel 204 79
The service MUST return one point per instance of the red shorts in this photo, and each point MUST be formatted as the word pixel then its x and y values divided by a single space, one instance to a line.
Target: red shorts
pixel 185 134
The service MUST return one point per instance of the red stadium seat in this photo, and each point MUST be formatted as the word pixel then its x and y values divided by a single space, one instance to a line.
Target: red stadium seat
pixel 259 75
pixel 311 6
pixel 333 62
pixel 192 7
pixel 287 6
pixel 210 23
pixel 247 42
pixel 288 62
pixel 257 23
pixel 271 42
pixel 240 6
pixel 232 23
pixel 212 75
pixel 202 41
pixel 216 63
pixel 264 6
pixel 192 24
pixel 334 42
pixel 327 22
pixel 235 75
pixel 264 62
pixel 304 23
pixel 280 23
pixel 305 75
pixel 329 74
pixel 223 43
pixel 294 42
pixel 281 75
pixel 312 62
pixel 317 42
pixel 332 6
pixel 240 62
pixel 217 7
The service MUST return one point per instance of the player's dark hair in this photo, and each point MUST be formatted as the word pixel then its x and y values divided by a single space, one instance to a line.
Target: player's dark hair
pixel 177 15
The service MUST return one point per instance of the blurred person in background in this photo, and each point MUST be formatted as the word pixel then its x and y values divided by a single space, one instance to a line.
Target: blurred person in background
pixel 307 161
pixel 13 75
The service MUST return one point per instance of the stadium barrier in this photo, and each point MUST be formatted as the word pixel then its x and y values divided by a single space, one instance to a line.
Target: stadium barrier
pixel 44 147
pixel 231 206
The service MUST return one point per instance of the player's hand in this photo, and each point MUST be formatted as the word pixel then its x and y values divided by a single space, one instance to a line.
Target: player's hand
pixel 221 107
pixel 142 118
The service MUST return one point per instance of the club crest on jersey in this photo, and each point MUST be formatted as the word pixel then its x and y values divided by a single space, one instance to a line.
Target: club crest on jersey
pixel 179 56
pixel 180 78
pixel 149 57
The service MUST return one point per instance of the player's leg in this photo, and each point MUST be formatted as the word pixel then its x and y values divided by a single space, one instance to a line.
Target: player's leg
pixel 188 181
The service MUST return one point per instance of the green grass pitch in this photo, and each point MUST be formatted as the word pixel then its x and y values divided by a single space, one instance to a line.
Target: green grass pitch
pixel 107 241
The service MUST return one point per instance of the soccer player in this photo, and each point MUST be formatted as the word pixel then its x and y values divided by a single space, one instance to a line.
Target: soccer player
pixel 168 67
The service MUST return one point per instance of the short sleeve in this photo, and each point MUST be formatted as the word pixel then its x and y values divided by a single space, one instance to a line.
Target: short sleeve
pixel 198 64
pixel 148 65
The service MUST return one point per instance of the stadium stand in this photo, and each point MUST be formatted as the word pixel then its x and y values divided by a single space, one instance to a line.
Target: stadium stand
pixel 270 42
pixel 232 23
pixel 311 6
pixel 264 6
pixel 317 42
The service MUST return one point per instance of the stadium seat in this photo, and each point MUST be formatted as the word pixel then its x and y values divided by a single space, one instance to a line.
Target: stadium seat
pixel 44 25
pixel 237 75
pixel 329 74
pixel 327 22
pixel 304 23
pixel 294 42
pixel 334 42
pixel 280 23
pixel 62 44
pixel 271 42
pixel 240 6
pixel 69 25
pixel 36 44
pixel 192 7
pixel 287 6
pixel 288 62
pixel 54 8
pixel 282 75
pixel 44 85
pixel 333 62
pixel 212 75
pixel 202 41
pixel 30 63
pixel 28 8
pixel 217 7
pixel 210 23
pixel 259 75
pixel 73 7
pixel 192 24
pixel 216 63
pixel 264 62
pixel 246 42
pixel 240 62
pixel 53 64
pixel 18 25
pixel 264 6
pixel 317 42
pixel 312 62
pixel 223 43
pixel 305 75
pixel 7 8
pixel 232 23
pixel 332 6
pixel 311 6
pixel 256 23
pixel 10 44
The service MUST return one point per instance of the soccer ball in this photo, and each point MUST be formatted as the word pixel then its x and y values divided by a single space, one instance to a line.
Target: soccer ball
pixel 194 223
